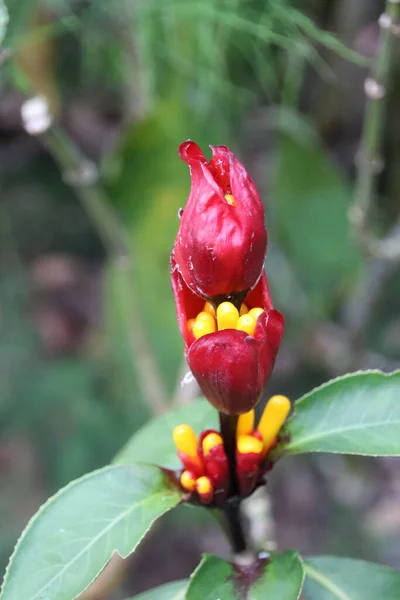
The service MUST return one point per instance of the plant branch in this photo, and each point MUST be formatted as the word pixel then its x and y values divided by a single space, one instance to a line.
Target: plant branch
pixel 369 158
pixel 81 174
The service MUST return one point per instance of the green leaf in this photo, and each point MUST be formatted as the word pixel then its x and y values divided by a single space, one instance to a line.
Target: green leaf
pixel 170 591
pixel 281 580
pixel 355 414
pixel 213 578
pixel 330 578
pixel 74 535
pixel 311 202
pixel 278 578
pixel 153 443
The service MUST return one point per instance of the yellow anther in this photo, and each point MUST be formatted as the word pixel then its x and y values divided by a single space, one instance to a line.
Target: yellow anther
pixel 190 324
pixel 210 441
pixel 203 325
pixel 188 481
pixel 256 312
pixel 272 419
pixel 246 323
pixel 204 485
pixel 208 308
pixel 247 444
pixel 227 316
pixel 205 316
pixel 243 309
pixel 185 440
pixel 230 199
pixel 245 423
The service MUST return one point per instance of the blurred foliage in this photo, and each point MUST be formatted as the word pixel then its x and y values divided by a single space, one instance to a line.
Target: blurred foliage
pixel 129 80
pixel 311 203
pixel 3 20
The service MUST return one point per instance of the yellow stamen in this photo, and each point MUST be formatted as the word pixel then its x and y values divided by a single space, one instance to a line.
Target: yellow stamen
pixel 230 199
pixel 247 444
pixel 203 325
pixel 208 308
pixel 185 440
pixel 243 309
pixel 190 324
pixel 227 316
pixel 205 316
pixel 204 485
pixel 210 441
pixel 188 481
pixel 246 323
pixel 256 312
pixel 272 419
pixel 245 423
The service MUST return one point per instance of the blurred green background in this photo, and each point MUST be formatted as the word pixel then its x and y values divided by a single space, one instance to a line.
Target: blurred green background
pixel 89 346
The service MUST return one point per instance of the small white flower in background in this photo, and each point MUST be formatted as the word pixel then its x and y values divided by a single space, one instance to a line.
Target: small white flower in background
pixel 36 117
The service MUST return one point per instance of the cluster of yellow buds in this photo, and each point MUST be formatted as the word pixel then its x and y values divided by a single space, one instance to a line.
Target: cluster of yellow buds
pixel 226 316
pixel 206 467
pixel 254 445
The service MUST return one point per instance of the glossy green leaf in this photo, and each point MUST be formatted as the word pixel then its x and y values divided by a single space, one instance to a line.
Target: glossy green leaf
pixel 330 578
pixel 278 578
pixel 74 535
pixel 310 204
pixel 170 591
pixel 153 442
pixel 354 414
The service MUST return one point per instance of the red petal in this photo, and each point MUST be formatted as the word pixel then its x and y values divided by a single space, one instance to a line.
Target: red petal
pixel 232 368
pixel 260 295
pixel 190 153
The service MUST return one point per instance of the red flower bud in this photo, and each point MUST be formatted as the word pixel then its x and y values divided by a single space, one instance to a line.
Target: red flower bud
pixel 231 367
pixel 222 240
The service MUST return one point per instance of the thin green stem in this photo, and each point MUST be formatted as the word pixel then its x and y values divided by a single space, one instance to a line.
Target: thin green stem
pixel 369 159
pixel 81 175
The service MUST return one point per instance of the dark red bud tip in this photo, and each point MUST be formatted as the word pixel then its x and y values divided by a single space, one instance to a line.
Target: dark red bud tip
pixel 222 240
pixel 189 151
pixel 232 368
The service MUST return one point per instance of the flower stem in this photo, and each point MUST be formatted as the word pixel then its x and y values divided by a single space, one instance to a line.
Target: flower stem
pixel 231 509
pixel 234 527
pixel 228 425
